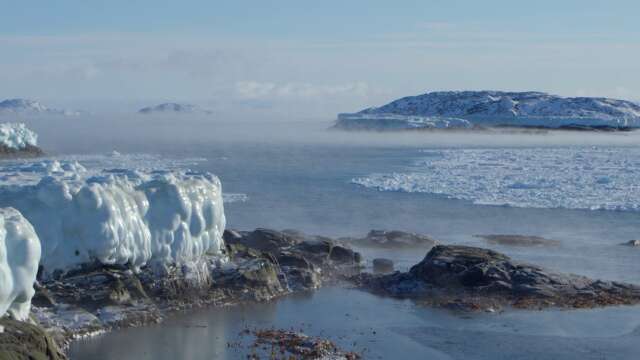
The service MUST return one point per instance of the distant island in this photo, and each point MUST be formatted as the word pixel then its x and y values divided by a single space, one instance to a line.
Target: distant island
pixel 485 109
pixel 167 108
pixel 31 107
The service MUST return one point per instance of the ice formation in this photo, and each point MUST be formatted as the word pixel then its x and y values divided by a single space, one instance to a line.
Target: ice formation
pixel 19 256
pixel 116 216
pixel 499 108
pixel 575 178
pixel 17 136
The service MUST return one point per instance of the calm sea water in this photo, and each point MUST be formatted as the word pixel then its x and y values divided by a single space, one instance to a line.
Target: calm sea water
pixel 299 176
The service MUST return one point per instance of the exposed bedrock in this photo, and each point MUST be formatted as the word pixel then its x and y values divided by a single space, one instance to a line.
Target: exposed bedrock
pixel 473 278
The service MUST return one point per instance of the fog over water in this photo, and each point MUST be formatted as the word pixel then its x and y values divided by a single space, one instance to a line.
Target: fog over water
pixel 297 174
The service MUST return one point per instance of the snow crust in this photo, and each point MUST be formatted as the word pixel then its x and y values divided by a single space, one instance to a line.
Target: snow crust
pixel 19 256
pixel 498 108
pixel 17 136
pixel 590 178
pixel 116 216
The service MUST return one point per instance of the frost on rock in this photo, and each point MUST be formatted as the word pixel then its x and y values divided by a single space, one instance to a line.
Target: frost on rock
pixel 19 256
pixel 119 216
pixel 17 136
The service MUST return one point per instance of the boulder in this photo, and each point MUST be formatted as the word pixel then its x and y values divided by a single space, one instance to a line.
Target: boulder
pixel 486 278
pixel 23 341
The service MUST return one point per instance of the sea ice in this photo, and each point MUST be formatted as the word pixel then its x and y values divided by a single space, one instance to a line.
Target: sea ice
pixel 574 178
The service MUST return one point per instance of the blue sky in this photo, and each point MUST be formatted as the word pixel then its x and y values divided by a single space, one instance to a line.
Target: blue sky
pixel 315 58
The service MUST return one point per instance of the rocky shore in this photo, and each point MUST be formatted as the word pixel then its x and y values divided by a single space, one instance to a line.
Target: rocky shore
pixel 264 264
pixel 258 266
pixel 470 279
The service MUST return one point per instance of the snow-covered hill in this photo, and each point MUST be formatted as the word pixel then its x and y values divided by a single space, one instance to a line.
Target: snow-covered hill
pixel 497 108
pixel 172 108
pixel 31 107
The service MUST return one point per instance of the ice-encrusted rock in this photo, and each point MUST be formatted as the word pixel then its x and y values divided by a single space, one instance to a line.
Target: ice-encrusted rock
pixel 124 217
pixel 31 107
pixel 17 136
pixel 19 256
pixel 174 108
pixel 497 108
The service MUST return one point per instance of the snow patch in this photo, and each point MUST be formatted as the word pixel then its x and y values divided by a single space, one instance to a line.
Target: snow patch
pixel 19 256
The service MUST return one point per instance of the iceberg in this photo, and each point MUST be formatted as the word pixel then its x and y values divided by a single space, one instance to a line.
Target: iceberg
pixel 118 216
pixel 19 256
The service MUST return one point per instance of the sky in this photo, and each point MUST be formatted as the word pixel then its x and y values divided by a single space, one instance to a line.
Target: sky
pixel 311 58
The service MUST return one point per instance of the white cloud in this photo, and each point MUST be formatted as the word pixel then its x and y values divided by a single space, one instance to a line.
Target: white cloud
pixel 270 90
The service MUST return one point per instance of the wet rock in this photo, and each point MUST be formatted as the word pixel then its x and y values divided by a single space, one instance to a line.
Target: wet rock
pixel 487 278
pixel 633 243
pixel 518 240
pixel 294 345
pixel 21 340
pixel 382 265
pixel 392 240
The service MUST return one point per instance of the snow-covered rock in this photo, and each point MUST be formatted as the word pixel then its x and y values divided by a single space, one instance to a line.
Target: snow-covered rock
pixel 17 136
pixel 19 256
pixel 119 216
pixel 31 107
pixel 498 108
pixel 174 108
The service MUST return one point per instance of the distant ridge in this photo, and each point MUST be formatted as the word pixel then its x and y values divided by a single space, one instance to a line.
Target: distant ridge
pixel 31 107
pixel 174 108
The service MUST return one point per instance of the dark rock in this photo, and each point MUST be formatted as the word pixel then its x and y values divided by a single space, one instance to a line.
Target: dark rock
pixel 24 341
pixel 633 243
pixel 265 240
pixel 518 240
pixel 28 151
pixel 294 345
pixel 491 278
pixel 256 279
pixel 382 265
pixel 393 240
